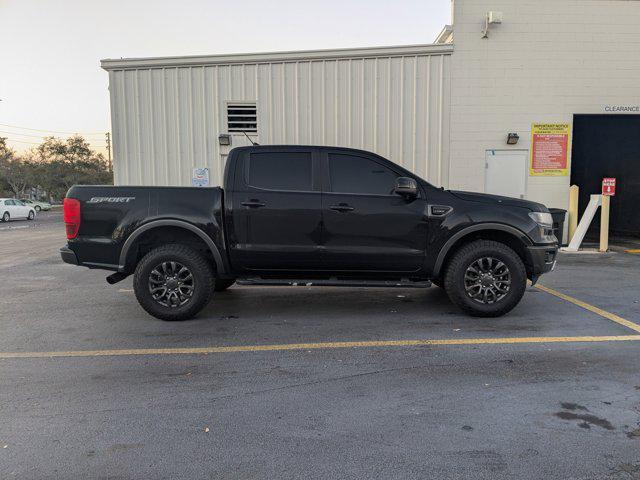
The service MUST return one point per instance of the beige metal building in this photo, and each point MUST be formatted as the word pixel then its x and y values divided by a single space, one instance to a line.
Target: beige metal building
pixel 168 113
pixel 443 110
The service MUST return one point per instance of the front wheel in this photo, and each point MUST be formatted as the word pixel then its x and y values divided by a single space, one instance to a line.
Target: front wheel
pixel 173 282
pixel 485 278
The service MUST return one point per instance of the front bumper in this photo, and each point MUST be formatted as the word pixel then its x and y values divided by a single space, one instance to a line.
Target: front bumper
pixel 541 259
pixel 69 256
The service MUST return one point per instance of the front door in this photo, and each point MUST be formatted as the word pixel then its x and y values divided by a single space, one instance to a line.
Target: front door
pixel 368 227
pixel 14 209
pixel 276 211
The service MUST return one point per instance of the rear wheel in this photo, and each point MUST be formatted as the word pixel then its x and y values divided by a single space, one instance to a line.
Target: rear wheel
pixel 6 217
pixel 38 208
pixel 223 284
pixel 31 215
pixel 485 278
pixel 173 282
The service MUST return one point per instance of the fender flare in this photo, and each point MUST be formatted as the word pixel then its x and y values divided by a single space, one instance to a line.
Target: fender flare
pixel 122 263
pixel 475 228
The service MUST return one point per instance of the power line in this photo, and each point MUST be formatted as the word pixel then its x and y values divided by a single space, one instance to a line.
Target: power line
pixel 23 141
pixel 11 140
pixel 31 136
pixel 24 134
pixel 50 131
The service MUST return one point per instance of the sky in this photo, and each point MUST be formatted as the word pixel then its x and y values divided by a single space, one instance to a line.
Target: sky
pixel 51 82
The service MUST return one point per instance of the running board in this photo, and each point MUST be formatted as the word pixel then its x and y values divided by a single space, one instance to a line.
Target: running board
pixel 335 283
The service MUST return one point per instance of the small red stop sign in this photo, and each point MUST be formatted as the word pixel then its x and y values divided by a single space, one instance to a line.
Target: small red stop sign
pixel 609 187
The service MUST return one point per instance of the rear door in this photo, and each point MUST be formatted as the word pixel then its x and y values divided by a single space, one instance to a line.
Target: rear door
pixel 368 227
pixel 276 210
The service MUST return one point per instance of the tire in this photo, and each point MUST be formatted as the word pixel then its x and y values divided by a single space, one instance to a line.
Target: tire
pixel 31 215
pixel 493 295
pixel 6 217
pixel 37 208
pixel 223 284
pixel 170 304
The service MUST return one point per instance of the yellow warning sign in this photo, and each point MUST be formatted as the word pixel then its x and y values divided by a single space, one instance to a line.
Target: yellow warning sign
pixel 550 149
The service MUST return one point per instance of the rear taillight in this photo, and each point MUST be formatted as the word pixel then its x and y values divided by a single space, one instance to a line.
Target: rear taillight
pixel 71 216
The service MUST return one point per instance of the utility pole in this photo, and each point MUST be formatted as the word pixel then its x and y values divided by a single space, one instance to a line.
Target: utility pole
pixel 108 138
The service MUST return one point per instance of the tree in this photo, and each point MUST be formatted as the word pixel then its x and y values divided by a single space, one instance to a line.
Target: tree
pixel 61 164
pixel 54 166
pixel 15 173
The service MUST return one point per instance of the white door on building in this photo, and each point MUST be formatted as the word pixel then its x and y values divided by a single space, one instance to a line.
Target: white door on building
pixel 506 172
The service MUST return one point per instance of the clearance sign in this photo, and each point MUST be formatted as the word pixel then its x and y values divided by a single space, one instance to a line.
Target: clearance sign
pixel 549 149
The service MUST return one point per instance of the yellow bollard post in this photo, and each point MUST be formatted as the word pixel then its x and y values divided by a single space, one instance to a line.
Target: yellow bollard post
pixel 574 190
pixel 604 223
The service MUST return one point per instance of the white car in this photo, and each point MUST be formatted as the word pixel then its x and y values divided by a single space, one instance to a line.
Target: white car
pixel 11 208
pixel 37 206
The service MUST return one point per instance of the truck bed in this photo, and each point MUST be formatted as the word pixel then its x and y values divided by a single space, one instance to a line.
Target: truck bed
pixel 109 214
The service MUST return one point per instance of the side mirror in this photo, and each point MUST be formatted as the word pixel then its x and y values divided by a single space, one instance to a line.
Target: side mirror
pixel 407 187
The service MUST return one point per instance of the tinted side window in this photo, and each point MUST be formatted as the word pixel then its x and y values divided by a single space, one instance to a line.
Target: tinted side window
pixel 354 174
pixel 9 202
pixel 281 171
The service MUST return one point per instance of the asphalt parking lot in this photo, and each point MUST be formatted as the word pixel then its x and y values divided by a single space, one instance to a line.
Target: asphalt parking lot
pixel 273 382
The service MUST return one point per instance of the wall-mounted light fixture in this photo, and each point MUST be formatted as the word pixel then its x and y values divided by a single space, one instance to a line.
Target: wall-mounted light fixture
pixel 492 18
pixel 224 139
pixel 512 138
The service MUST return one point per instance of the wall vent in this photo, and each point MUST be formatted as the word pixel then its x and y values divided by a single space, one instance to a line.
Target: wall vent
pixel 242 117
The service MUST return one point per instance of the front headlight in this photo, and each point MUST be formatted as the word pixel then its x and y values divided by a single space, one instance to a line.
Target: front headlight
pixel 544 219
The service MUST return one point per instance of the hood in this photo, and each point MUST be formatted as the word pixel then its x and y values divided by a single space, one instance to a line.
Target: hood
pixel 497 199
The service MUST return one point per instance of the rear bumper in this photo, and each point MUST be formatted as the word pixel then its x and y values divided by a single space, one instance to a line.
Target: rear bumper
pixel 541 259
pixel 68 256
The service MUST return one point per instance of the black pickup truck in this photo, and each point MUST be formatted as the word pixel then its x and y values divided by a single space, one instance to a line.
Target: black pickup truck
pixel 312 215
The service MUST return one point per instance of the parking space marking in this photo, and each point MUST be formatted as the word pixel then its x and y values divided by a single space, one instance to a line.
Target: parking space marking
pixel 598 311
pixel 317 346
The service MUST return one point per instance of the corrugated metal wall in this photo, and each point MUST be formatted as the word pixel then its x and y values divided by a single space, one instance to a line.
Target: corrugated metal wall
pixel 166 119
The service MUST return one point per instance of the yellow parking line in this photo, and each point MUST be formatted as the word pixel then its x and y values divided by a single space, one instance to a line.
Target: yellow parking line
pixel 633 250
pixel 317 346
pixel 598 311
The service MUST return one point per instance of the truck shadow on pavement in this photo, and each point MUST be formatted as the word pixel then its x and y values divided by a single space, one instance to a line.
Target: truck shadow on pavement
pixel 346 313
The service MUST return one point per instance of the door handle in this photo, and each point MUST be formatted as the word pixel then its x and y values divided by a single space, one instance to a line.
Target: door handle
pixel 342 207
pixel 253 204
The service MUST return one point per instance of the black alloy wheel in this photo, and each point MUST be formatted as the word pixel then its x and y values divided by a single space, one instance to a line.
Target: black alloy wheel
pixel 487 280
pixel 171 284
pixel 174 282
